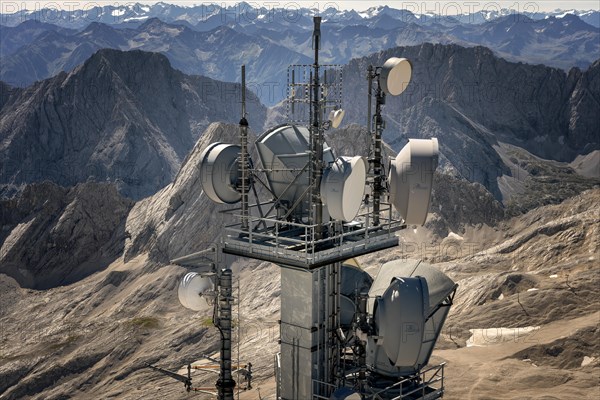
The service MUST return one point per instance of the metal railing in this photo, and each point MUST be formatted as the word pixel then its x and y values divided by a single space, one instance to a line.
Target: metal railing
pixel 417 387
pixel 297 243
pixel 428 384
pixel 322 390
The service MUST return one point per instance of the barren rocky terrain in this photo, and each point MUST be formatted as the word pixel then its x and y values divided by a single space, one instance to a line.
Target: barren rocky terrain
pixel 524 324
pixel 100 191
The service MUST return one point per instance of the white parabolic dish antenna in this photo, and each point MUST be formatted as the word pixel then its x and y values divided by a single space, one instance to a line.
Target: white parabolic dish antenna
pixel 411 179
pixel 343 187
pixel 218 172
pixel 395 75
pixel 195 290
pixel 336 117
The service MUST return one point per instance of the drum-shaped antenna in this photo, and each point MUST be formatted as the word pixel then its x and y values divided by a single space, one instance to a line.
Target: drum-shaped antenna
pixel 440 291
pixel 411 179
pixel 395 75
pixel 400 319
pixel 218 172
pixel 343 187
pixel 284 153
pixel 195 291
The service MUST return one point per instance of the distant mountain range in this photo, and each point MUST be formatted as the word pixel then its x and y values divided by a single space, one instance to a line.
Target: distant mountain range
pixel 213 41
pixel 292 15
pixel 131 118
pixel 46 50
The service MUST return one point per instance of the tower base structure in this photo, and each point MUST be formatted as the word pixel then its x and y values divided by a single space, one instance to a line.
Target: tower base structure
pixel 310 348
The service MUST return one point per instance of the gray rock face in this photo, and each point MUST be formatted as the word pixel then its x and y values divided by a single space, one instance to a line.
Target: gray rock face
pixel 54 236
pixel 126 117
pixel 180 219
pixel 6 93
pixel 471 100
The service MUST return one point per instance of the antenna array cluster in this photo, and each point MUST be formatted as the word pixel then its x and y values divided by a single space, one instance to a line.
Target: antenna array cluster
pixel 300 93
pixel 343 334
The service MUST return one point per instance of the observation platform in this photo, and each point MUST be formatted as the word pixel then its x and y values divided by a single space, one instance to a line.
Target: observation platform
pixel 298 245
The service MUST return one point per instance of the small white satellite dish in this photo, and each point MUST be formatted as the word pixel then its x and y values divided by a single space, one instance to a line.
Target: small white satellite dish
pixel 343 186
pixel 411 179
pixel 395 75
pixel 218 172
pixel 195 291
pixel 336 117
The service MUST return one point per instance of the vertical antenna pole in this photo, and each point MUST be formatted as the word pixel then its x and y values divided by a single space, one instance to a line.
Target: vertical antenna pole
pixel 317 137
pixel 293 96
pixel 369 95
pixel 377 166
pixel 370 76
pixel 225 384
pixel 243 179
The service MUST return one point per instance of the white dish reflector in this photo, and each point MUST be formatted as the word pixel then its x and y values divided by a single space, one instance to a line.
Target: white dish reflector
pixel 395 75
pixel 218 172
pixel 336 117
pixel 195 291
pixel 343 187
pixel 411 179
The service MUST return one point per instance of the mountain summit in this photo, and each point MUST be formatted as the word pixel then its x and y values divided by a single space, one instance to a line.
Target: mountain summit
pixel 127 117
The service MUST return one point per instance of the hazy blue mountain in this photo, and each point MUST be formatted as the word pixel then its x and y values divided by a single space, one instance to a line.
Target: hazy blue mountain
pixel 560 42
pixel 212 40
pixel 543 110
pixel 54 51
pixel 218 53
pixel 12 38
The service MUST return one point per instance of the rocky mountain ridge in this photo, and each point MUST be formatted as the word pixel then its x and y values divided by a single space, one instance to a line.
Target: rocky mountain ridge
pixel 37 50
pixel 126 117
pixel 217 53
pixel 482 108
pixel 473 101
pixel 95 334
pixel 54 236
pixel 252 13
